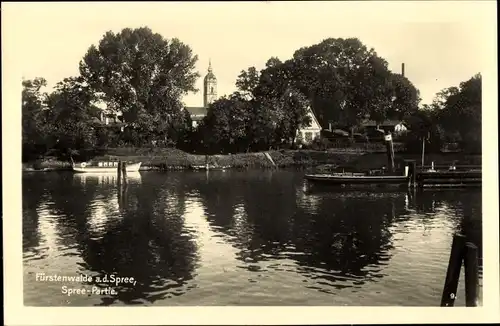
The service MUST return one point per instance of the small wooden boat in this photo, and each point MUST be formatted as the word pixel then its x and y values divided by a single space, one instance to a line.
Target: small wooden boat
pixel 358 179
pixel 355 178
pixel 103 167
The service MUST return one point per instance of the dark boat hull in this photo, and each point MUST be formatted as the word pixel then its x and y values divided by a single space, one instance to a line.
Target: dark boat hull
pixel 357 180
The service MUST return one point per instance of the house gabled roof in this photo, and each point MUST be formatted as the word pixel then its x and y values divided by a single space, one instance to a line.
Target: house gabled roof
pixel 315 120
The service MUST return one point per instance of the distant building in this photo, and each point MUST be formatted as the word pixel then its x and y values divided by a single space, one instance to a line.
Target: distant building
pixel 311 132
pixel 393 126
pixel 106 116
pixel 197 113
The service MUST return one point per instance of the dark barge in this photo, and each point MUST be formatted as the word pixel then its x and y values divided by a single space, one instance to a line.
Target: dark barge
pixel 446 177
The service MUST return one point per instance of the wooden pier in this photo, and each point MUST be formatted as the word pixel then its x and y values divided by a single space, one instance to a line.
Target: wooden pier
pixel 444 176
pixel 449 179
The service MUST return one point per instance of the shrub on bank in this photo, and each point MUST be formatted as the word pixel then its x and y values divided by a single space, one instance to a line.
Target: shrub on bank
pixel 348 145
pixel 170 158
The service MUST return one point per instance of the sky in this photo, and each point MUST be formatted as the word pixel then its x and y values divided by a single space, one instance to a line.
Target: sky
pixel 441 43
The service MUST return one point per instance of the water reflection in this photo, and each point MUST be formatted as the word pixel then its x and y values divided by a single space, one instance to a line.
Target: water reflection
pixel 254 232
pixel 148 243
pixel 106 178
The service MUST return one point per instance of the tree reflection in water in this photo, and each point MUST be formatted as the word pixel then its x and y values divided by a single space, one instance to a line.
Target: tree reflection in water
pixel 33 196
pixel 465 208
pixel 337 233
pixel 330 239
pixel 146 241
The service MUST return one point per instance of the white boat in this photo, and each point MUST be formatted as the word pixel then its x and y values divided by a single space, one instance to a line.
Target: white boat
pixel 104 167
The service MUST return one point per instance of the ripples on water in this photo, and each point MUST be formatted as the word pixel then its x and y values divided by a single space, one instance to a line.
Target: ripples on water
pixel 239 238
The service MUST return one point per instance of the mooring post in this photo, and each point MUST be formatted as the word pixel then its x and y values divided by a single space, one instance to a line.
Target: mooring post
pixel 453 272
pixel 119 172
pixel 413 168
pixel 390 151
pixel 124 172
pixel 471 275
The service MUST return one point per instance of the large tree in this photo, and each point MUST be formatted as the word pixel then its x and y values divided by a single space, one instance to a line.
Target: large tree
pixel 277 109
pixel 247 81
pixel 347 82
pixel 454 116
pixel 344 81
pixel 225 126
pixel 35 125
pixel 461 114
pixel 143 75
pixel 73 116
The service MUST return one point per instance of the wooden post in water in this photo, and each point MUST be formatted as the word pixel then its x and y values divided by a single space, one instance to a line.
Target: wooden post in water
pixel 471 275
pixel 453 272
pixel 423 150
pixel 124 172
pixel 413 168
pixel 119 172
pixel 411 165
pixel 390 151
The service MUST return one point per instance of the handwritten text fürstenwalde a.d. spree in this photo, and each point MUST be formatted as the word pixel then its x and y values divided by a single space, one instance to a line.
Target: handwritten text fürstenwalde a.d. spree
pixel 81 279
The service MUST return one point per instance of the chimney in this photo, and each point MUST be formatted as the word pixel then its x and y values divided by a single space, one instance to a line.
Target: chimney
pixel 403 69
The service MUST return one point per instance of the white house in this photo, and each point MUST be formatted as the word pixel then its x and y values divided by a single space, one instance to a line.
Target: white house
pixel 311 132
pixel 400 127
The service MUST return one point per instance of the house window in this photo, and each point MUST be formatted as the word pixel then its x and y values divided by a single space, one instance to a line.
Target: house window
pixel 211 90
pixel 308 136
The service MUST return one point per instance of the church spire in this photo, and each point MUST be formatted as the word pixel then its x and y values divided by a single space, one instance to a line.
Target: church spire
pixel 209 86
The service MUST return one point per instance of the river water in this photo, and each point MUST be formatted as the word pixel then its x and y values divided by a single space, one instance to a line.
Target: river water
pixel 237 238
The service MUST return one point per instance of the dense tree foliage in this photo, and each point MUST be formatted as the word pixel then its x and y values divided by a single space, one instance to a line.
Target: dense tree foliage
pixel 343 81
pixel 347 83
pixel 461 115
pixel 71 114
pixel 143 76
pixel 34 117
pixel 454 117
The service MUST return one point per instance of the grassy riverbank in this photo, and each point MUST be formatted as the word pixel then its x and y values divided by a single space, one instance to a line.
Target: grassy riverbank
pixel 174 159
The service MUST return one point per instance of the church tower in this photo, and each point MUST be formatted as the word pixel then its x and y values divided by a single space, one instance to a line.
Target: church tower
pixel 209 87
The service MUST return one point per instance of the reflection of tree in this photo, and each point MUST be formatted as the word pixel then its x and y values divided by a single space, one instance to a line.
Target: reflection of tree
pixel 464 207
pixel 219 196
pixel 267 216
pixel 149 244
pixel 146 240
pixel 270 207
pixel 33 195
pixel 349 232
pixel 345 232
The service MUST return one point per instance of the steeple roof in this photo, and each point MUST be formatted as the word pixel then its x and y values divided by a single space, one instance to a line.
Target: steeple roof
pixel 210 74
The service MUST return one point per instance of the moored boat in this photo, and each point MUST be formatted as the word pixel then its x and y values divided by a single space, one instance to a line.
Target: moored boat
pixel 104 167
pixel 357 178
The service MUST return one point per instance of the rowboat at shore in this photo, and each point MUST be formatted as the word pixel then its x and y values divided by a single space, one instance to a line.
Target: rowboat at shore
pixel 103 167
